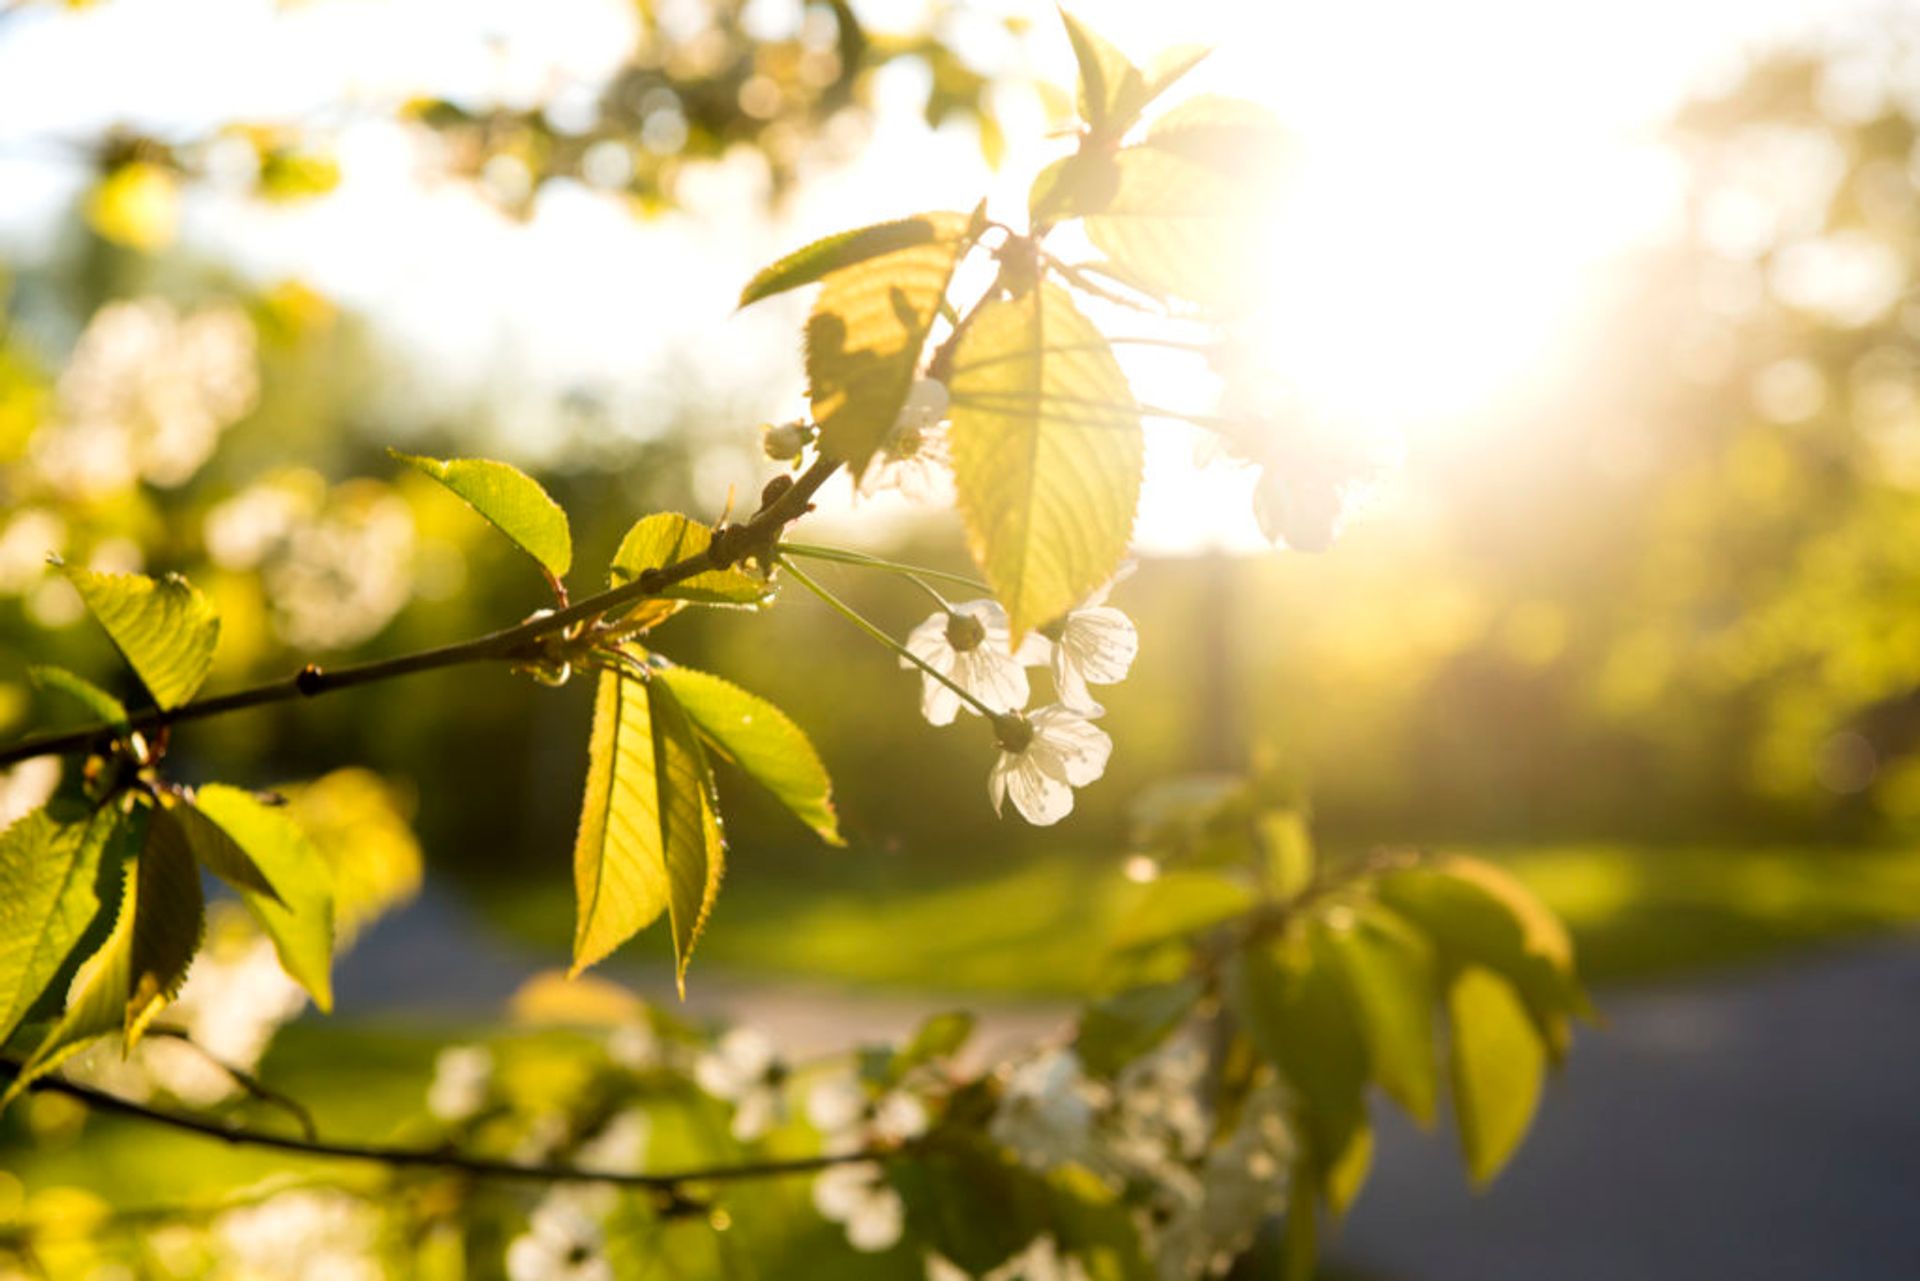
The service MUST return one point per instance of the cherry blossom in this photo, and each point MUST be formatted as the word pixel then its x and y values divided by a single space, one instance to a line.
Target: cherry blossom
pixel 1043 757
pixel 1093 643
pixel 971 645
pixel 742 1068
pixel 859 1198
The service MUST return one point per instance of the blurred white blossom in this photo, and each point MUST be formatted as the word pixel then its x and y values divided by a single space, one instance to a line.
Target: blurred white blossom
pixel 1043 757
pixel 1046 1112
pixel 27 538
pixel 303 1235
pixel 26 787
pixel 914 458
pixel 1040 1261
pixel 462 1079
pixel 850 1116
pixel 620 1147
pixel 742 1068
pixel 971 645
pixel 859 1198
pixel 563 1240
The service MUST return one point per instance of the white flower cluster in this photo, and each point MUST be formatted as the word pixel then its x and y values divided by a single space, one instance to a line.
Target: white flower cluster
pixel 300 1234
pixel 145 397
pixel 564 1240
pixel 1047 753
pixel 914 458
pixel 851 1117
pixel 743 1069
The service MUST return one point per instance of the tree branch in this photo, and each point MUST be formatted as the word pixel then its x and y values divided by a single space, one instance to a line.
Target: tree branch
pixel 731 544
pixel 438 1158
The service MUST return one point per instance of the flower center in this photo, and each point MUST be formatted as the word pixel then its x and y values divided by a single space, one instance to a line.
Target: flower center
pixel 1014 732
pixel 965 632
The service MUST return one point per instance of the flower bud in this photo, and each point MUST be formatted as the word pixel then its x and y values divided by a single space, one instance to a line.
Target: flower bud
pixel 965 632
pixel 783 443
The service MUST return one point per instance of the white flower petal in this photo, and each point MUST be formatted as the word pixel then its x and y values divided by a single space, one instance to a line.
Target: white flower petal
pixel 879 1221
pixel 993 677
pixel 1101 642
pixel 755 1114
pixel 1081 747
pixel 839 1191
pixel 836 1104
pixel 1041 798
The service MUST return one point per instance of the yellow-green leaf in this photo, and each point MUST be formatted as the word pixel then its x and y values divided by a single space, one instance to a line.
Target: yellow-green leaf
pixel 846 249
pixel 689 825
pixel 619 868
pixel 1112 90
pixel 1047 453
pixel 649 837
pixel 52 885
pixel 1498 1064
pixel 763 741
pixel 214 849
pixel 512 501
pixel 167 924
pixel 163 627
pixel 82 691
pixel 1190 206
pixel 666 538
pixel 300 923
pixel 866 333
pixel 1388 971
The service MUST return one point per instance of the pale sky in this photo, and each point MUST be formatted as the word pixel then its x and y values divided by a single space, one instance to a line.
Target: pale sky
pixel 1467 168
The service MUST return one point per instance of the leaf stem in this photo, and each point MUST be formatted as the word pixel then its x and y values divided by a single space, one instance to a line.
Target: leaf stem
pixel 522 641
pixel 843 556
pixel 859 620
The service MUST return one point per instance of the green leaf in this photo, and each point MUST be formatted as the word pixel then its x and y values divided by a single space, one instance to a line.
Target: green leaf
pixel 842 250
pixel 142 962
pixel 1190 206
pixel 865 335
pixel 1388 971
pixel 1116 1031
pixel 52 885
pixel 1287 846
pixel 689 825
pixel 666 538
pixel 1297 1015
pixel 1179 904
pixel 82 691
pixel 966 1200
pixel 300 922
pixel 1095 1225
pixel 767 746
pixel 167 924
pixel 1047 453
pixel 1112 90
pixel 1498 1063
pixel 1477 914
pixel 649 837
pixel 514 502
pixel 939 1037
pixel 163 627
pixel 215 850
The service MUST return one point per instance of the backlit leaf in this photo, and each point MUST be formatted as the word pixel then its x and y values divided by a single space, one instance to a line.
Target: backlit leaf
pixel 865 336
pixel 760 738
pixel 215 850
pixel 666 538
pixel 1116 1031
pixel 1112 90
pixel 1191 204
pixel 1498 1063
pixel 301 922
pixel 52 885
pixel 846 249
pixel 1047 453
pixel 167 923
pixel 163 627
pixel 1388 971
pixel 512 501
pixel 82 691
pixel 649 837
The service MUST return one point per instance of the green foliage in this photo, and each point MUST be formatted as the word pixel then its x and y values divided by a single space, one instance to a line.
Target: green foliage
pixel 1113 91
pixel 1387 968
pixel 968 1200
pixel 82 691
pixel 666 537
pixel 298 915
pixel 512 501
pixel 1047 453
pixel 1497 1065
pixel 649 836
pixel 808 265
pixel 865 335
pixel 216 851
pixel 1129 1024
pixel 763 741
pixel 163 627
pixel 53 883
pixel 168 921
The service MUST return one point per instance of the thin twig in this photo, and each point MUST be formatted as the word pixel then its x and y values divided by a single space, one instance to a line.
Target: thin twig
pixel 730 544
pixel 396 1157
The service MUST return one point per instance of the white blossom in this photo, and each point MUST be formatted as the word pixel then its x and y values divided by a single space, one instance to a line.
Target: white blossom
pixel 635 1046
pixel 1093 644
pixel 1046 1112
pixel 971 645
pixel 1040 1261
pixel 620 1147
pixel 850 1116
pixel 914 458
pixel 1043 757
pixel 299 1236
pixel 563 1241
pixel 859 1198
pixel 742 1069
pixel 462 1075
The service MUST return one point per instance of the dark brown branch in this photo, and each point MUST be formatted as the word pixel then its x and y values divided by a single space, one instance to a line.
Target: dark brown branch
pixel 437 1158
pixel 731 544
